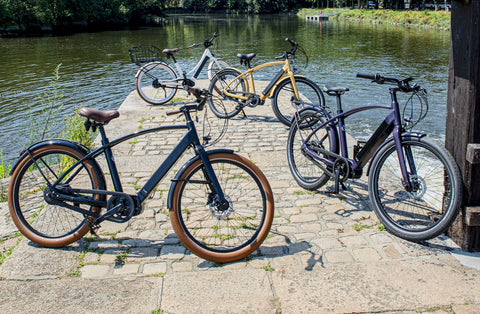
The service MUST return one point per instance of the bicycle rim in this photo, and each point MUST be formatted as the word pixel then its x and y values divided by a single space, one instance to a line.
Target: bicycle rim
pixel 432 204
pixel 156 83
pixel 307 174
pixel 223 236
pixel 42 221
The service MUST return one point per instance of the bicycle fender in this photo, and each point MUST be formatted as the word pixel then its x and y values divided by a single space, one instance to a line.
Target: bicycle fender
pixel 185 166
pixel 63 142
pixel 404 135
pixel 285 78
pixel 309 108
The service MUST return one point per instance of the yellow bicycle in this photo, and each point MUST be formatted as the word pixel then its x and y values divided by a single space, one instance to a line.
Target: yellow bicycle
pixel 233 90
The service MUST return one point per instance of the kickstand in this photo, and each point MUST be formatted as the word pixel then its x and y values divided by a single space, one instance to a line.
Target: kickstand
pixel 337 180
pixel 337 183
pixel 243 112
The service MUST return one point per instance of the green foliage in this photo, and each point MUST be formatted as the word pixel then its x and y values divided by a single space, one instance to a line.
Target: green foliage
pixel 431 19
pixel 4 169
pixel 7 251
pixel 33 13
pixel 359 226
pixel 75 130
pixel 4 172
pixel 243 6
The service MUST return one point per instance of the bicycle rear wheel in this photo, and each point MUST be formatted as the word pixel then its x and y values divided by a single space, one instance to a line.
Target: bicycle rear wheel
pixel 32 205
pixel 433 202
pixel 223 106
pixel 302 166
pixel 231 234
pixel 156 83
pixel 285 104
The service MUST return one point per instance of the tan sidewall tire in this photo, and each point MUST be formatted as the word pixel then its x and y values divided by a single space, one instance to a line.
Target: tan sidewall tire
pixel 243 252
pixel 46 242
pixel 146 99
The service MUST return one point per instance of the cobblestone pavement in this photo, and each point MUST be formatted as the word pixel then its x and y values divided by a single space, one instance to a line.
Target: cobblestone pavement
pixel 326 252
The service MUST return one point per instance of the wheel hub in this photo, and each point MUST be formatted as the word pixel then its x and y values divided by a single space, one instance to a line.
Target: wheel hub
pixel 419 187
pixel 218 212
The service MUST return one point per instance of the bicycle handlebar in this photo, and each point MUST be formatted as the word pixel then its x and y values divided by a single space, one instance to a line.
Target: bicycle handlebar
pixel 292 51
pixel 201 95
pixel 207 43
pixel 403 85
pixel 294 44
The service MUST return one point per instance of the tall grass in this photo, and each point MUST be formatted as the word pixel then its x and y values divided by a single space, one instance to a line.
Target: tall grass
pixel 75 130
pixel 49 123
pixel 4 173
pixel 46 119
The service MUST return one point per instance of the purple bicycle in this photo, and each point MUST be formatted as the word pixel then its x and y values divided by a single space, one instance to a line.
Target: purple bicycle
pixel 413 183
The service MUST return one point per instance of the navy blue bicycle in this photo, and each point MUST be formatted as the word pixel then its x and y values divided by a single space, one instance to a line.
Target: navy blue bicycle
pixel 414 184
pixel 221 204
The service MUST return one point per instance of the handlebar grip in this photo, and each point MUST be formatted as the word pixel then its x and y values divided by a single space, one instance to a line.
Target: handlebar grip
pixel 367 76
pixel 291 42
pixel 172 112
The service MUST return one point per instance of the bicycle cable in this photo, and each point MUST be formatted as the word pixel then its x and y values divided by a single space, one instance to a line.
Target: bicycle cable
pixel 206 125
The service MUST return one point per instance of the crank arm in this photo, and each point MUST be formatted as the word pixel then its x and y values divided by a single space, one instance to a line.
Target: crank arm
pixel 319 164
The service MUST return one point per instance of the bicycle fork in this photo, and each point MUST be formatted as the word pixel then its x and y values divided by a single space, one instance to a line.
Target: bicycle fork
pixel 216 198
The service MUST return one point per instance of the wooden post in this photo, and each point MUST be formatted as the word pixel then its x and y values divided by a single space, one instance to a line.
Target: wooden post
pixel 462 137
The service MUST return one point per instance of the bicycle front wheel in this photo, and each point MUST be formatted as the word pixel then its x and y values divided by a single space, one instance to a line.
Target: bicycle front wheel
pixel 285 103
pixel 225 107
pixel 430 206
pixel 222 235
pixel 32 204
pixel 156 83
pixel 302 166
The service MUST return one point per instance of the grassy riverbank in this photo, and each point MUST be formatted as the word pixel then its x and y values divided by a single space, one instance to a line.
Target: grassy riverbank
pixel 426 19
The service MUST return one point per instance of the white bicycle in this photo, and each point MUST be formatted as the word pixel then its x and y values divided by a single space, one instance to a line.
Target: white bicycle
pixel 157 82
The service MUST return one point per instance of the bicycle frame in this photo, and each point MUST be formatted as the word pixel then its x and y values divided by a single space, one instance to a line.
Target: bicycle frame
pixel 182 75
pixel 197 69
pixel 188 140
pixel 392 124
pixel 286 71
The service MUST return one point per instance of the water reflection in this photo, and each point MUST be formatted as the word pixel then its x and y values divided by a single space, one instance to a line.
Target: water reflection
pixel 96 70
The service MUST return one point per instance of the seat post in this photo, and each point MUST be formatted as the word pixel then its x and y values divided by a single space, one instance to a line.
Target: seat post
pixel 103 135
pixel 339 103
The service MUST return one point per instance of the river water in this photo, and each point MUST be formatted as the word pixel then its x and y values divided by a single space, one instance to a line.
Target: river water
pixel 96 71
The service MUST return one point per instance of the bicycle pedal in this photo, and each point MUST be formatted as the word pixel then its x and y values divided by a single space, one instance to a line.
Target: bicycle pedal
pixel 93 227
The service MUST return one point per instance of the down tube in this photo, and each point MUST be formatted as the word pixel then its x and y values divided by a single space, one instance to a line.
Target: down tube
pixel 166 166
pixel 380 135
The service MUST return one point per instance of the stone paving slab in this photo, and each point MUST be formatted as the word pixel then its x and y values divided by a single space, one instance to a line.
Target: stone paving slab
pixel 219 291
pixel 325 252
pixel 373 287
pixel 30 261
pixel 75 295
